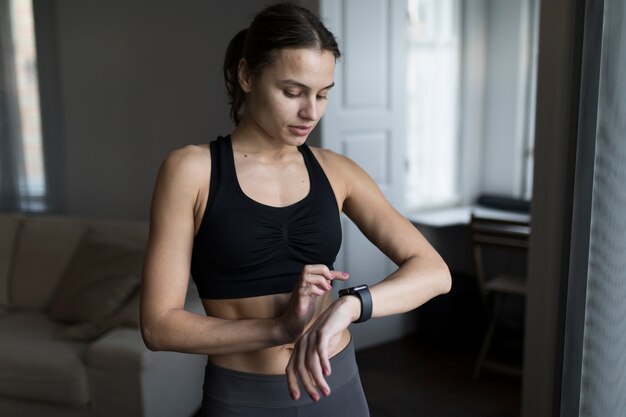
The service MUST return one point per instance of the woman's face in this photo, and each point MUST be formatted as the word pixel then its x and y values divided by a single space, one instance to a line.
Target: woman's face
pixel 290 96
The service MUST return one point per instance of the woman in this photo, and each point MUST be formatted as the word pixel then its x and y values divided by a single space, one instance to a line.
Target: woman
pixel 255 217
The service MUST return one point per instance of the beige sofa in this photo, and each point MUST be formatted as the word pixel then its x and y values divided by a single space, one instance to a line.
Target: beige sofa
pixel 69 339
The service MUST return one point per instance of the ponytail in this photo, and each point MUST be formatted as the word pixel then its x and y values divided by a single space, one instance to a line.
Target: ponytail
pixel 234 53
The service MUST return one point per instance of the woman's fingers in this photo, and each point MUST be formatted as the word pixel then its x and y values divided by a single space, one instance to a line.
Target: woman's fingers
pixel 309 370
pixel 307 366
pixel 296 370
pixel 292 379
pixel 340 275
pixel 312 363
pixel 305 377
pixel 323 270
pixel 322 352
pixel 318 281
pixel 304 365
pixel 321 277
pixel 314 277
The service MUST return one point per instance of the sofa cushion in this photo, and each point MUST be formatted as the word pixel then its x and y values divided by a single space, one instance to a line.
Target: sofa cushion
pixel 9 227
pixel 37 366
pixel 103 274
pixel 127 316
pixel 43 251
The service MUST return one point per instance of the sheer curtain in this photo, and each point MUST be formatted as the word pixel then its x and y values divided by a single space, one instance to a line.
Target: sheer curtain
pixel 22 173
pixel 10 150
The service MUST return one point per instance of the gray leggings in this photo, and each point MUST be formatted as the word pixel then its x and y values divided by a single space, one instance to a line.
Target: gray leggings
pixel 229 393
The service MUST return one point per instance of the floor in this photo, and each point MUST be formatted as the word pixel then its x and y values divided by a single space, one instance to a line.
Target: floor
pixel 413 378
pixel 430 373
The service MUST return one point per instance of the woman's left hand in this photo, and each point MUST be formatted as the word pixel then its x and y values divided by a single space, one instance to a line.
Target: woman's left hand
pixel 309 360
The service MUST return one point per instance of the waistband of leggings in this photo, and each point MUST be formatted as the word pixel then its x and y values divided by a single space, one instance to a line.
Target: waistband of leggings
pixel 270 390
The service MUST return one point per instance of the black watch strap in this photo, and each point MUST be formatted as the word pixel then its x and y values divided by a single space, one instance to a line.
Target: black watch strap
pixel 363 292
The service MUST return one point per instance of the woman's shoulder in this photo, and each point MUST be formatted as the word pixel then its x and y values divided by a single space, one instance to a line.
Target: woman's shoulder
pixel 189 157
pixel 330 157
pixel 343 173
pixel 336 162
pixel 189 165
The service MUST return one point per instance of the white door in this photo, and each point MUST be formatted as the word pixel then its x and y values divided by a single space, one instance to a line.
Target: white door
pixel 365 121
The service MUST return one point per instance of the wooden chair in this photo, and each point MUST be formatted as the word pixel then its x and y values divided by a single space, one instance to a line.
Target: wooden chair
pixel 506 235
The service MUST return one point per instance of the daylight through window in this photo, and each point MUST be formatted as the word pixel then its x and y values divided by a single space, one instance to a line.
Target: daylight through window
pixel 432 103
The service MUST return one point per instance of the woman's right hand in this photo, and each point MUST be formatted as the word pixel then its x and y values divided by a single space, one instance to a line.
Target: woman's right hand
pixel 314 281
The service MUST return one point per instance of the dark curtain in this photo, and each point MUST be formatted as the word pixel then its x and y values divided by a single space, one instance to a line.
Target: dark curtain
pixel 603 373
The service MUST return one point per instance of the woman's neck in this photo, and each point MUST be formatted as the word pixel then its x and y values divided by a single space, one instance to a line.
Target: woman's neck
pixel 250 138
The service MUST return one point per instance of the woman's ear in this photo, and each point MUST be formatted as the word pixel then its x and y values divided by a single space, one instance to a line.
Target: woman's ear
pixel 245 78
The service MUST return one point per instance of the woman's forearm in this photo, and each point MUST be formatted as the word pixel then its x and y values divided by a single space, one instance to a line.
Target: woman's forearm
pixel 418 280
pixel 183 331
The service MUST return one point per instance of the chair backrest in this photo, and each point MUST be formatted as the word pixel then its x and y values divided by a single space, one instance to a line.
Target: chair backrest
pixel 497 233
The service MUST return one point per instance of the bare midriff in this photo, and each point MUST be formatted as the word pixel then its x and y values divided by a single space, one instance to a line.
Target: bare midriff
pixel 272 360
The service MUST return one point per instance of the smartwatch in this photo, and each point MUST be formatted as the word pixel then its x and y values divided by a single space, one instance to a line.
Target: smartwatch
pixel 363 293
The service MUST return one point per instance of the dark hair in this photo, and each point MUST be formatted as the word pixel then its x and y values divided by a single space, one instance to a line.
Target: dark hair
pixel 283 25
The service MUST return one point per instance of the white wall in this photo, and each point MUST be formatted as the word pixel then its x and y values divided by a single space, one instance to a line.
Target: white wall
pixel 137 80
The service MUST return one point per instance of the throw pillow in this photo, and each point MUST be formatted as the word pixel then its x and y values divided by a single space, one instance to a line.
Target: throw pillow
pixel 102 275
pixel 128 316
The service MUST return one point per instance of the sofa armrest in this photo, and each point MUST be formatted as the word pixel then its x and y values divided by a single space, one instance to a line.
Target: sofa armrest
pixel 121 348
pixel 129 380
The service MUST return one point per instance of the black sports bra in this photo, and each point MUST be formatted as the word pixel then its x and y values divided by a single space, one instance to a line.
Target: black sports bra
pixel 245 249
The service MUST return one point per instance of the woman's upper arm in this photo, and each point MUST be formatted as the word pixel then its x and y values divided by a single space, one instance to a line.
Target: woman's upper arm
pixel 380 222
pixel 172 227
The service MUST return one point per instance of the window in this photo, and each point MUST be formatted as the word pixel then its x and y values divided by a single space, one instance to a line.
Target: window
pixel 433 103
pixel 22 176
pixel 471 87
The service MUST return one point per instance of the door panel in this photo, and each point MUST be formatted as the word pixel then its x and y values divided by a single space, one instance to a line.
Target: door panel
pixel 365 122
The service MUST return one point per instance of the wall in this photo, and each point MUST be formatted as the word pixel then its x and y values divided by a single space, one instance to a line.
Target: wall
pixel 558 89
pixel 137 80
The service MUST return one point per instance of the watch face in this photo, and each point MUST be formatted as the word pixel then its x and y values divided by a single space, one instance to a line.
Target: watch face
pixel 360 287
